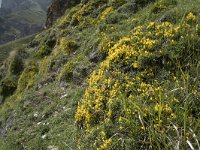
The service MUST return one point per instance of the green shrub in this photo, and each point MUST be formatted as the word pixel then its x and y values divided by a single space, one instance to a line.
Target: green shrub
pixel 142 88
pixel 128 8
pixel 198 29
pixel 2 71
pixel 58 62
pixel 27 78
pixel 162 5
pixel 68 45
pixel 74 66
pixel 51 42
pixel 8 85
pixel 43 51
pixel 46 48
pixel 67 72
pixel 115 18
pixel 142 3
pixel 16 65
pixel 116 3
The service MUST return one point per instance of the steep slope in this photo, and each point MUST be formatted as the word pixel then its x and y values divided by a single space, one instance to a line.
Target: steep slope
pixel 21 17
pixel 109 74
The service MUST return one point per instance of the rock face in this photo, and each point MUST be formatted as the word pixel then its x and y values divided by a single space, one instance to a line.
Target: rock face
pixel 57 9
pixel 8 123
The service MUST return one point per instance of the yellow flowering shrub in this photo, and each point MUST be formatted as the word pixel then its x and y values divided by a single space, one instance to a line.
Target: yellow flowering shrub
pixel 128 90
pixel 68 45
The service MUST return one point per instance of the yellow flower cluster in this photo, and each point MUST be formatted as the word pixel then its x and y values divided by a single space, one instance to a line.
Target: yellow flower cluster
pixel 105 144
pixel 191 17
pixel 148 43
pixel 106 12
pixel 151 25
pixel 119 90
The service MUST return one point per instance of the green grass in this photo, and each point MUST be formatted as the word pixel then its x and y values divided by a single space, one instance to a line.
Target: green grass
pixel 55 110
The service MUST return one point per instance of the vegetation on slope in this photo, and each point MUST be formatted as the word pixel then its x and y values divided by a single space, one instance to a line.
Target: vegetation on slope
pixel 110 74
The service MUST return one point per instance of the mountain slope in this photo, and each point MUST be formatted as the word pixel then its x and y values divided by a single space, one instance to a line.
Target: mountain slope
pixel 21 18
pixel 108 75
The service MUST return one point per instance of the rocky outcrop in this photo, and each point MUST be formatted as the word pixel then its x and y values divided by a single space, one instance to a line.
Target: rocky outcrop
pixel 57 9
pixel 7 125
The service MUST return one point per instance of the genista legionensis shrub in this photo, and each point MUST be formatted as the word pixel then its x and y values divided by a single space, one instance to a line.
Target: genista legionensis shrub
pixel 130 91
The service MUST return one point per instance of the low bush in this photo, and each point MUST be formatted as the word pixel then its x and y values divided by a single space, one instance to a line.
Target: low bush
pixel 16 65
pixel 8 85
pixel 68 45
pixel 162 5
pixel 27 78
pixel 129 102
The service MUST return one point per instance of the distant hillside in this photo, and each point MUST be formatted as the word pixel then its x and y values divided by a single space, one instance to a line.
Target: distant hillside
pixel 19 18
pixel 5 49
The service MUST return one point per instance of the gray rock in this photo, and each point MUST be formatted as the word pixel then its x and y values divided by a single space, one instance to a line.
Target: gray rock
pixel 63 84
pixel 95 57
pixel 57 9
pixel 8 123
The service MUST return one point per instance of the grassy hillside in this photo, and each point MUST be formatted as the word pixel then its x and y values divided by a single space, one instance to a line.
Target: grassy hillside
pixel 111 74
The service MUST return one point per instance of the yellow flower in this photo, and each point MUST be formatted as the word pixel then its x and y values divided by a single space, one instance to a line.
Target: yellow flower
pixel 191 17
pixel 168 109
pixel 109 113
pixel 133 19
pixel 187 135
pixel 167 24
pixel 135 65
pixel 106 144
pixel 158 108
pixel 151 25
pixel 106 12
pixel 103 133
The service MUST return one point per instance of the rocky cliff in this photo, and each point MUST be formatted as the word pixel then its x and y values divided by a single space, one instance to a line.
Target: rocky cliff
pixel 57 9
